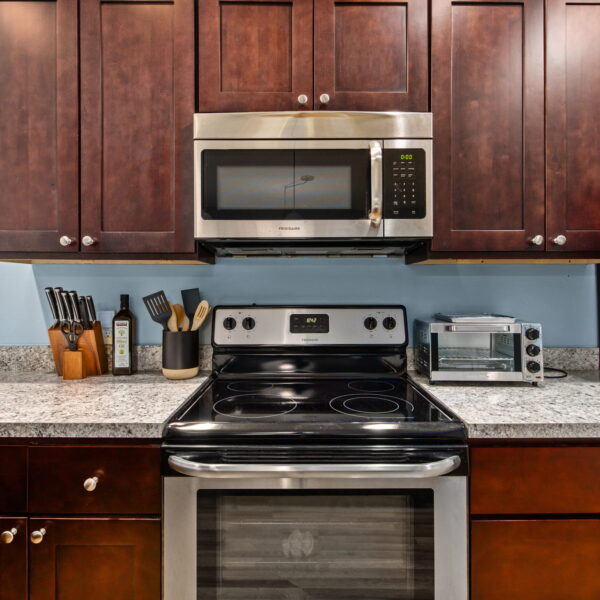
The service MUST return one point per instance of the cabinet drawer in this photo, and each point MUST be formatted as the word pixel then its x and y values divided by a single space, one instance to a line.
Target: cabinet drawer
pixel 545 480
pixel 128 480
pixel 13 478
pixel 536 560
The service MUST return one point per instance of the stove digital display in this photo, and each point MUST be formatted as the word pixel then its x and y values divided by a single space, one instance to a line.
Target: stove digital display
pixel 309 323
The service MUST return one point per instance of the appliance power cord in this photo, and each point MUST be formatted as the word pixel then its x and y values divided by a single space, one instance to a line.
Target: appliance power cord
pixel 562 373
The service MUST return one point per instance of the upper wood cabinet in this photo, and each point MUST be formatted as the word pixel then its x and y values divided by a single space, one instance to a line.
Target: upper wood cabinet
pixel 487 69
pixel 573 125
pixel 362 54
pixel 137 100
pixel 38 125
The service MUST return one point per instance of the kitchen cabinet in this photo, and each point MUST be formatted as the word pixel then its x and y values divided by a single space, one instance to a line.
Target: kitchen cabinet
pixel 305 54
pixel 573 125
pixel 99 558
pixel 13 479
pixel 13 558
pixel 487 99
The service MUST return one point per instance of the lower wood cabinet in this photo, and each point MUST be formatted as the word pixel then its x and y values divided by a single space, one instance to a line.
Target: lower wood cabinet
pixel 535 559
pixel 13 558
pixel 95 559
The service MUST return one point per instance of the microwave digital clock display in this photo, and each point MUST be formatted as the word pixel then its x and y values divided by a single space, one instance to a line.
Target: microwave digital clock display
pixel 309 323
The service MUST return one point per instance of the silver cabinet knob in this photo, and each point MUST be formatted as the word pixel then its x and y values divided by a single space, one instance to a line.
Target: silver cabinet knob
pixel 324 98
pixel 560 240
pixel 65 240
pixel 302 99
pixel 6 537
pixel 88 240
pixel 537 240
pixel 37 537
pixel 89 485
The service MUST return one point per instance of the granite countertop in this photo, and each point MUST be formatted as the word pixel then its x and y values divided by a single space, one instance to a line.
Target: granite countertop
pixel 558 408
pixel 44 406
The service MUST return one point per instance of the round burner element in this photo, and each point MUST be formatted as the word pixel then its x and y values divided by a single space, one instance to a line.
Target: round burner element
pixel 371 405
pixel 249 386
pixel 371 385
pixel 254 406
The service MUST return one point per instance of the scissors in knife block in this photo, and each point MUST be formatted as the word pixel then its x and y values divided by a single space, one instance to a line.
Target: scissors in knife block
pixel 72 330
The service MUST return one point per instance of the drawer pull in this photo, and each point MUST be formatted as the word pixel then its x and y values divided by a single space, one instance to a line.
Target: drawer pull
pixel 8 536
pixel 89 485
pixel 37 537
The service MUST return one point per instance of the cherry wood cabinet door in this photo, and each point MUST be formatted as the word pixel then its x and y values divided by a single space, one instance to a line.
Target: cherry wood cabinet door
pixel 487 72
pixel 13 558
pixel 255 55
pixel 536 560
pixel 95 559
pixel 137 96
pixel 38 126
pixel 573 125
pixel 371 54
pixel 13 479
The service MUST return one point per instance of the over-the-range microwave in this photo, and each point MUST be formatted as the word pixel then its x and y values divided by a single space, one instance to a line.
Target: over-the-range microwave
pixel 312 182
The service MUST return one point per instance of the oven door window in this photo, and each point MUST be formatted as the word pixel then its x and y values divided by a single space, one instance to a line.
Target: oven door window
pixel 285 184
pixel 316 546
pixel 461 351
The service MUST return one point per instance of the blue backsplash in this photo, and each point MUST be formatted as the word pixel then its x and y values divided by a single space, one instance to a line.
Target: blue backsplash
pixel 561 297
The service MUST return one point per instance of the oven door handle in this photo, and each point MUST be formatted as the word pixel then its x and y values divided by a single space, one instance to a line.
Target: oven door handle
pixel 376 183
pixel 300 471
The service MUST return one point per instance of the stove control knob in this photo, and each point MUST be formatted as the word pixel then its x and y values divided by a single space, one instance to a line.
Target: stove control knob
pixel 229 323
pixel 389 322
pixel 532 334
pixel 533 367
pixel 532 350
pixel 370 323
pixel 248 323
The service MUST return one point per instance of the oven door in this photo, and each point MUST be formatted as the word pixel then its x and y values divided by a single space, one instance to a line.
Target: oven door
pixel 361 532
pixel 277 189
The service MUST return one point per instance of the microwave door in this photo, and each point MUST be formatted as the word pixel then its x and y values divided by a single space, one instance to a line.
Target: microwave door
pixel 278 189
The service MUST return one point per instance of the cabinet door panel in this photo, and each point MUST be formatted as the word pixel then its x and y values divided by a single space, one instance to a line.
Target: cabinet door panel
pixel 537 560
pixel 487 102
pixel 13 479
pixel 371 55
pixel 13 560
pixel 38 125
pixel 255 55
pixel 96 559
pixel 573 124
pixel 137 79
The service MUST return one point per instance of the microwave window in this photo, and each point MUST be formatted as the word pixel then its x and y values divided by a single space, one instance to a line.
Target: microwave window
pixel 283 187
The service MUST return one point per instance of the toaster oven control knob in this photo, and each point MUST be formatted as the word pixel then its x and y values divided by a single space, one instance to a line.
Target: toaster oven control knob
pixel 533 367
pixel 389 322
pixel 229 323
pixel 248 323
pixel 532 334
pixel 532 350
pixel 370 323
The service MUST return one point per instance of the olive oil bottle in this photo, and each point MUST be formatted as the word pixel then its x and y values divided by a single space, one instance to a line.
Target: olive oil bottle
pixel 122 334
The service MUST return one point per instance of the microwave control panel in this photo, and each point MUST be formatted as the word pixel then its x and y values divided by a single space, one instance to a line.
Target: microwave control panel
pixel 404 183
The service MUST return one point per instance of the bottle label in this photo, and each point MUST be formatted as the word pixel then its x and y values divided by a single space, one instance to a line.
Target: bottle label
pixel 121 344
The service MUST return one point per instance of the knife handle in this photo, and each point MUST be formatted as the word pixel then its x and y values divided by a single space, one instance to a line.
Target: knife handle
pixel 75 306
pixel 67 306
pixel 52 302
pixel 89 302
pixel 83 313
pixel 59 304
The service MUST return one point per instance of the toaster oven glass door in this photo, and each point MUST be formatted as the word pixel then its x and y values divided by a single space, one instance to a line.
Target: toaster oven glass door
pixel 477 351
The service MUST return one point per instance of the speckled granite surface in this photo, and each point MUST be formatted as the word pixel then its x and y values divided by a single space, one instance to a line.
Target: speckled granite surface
pixel 43 405
pixel 560 408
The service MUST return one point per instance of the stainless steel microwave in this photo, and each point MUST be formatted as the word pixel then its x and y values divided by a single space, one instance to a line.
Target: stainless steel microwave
pixel 326 176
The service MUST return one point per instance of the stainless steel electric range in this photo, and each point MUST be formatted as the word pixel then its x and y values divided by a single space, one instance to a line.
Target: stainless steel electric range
pixel 310 467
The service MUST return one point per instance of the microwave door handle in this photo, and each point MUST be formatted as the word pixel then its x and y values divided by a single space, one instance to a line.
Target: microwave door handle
pixel 301 471
pixel 478 328
pixel 376 154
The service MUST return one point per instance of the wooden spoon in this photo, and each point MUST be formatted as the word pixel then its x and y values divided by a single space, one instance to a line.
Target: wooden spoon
pixel 172 322
pixel 180 317
pixel 200 315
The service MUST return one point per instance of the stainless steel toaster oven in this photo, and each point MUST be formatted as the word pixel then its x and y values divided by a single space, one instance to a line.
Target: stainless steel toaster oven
pixel 479 348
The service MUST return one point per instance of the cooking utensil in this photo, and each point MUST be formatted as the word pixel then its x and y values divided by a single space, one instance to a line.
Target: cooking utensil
pixel 191 299
pixel 91 309
pixel 200 315
pixel 158 307
pixel 172 322
pixel 52 303
pixel 182 318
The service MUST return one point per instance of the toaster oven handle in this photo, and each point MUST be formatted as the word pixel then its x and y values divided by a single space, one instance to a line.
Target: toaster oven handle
pixel 300 471
pixel 478 328
pixel 376 183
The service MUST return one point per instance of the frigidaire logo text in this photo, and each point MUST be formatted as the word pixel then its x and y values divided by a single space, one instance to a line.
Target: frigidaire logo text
pixel 289 228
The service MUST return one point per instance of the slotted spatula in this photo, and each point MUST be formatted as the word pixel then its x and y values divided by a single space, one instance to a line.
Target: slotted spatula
pixel 158 307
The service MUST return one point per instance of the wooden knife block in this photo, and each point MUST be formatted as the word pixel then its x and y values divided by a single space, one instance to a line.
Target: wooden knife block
pixel 91 344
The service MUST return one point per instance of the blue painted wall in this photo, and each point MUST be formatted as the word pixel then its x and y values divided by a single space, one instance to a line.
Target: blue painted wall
pixel 562 297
